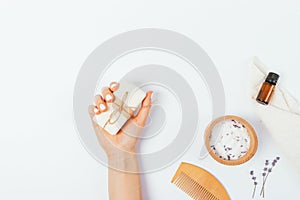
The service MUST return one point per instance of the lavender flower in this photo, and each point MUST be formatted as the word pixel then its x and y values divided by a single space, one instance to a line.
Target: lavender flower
pixel 267 163
pixel 269 170
pixel 254 182
pixel 265 169
pixel 265 175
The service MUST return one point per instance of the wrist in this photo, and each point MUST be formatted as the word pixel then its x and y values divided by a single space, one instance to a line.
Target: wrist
pixel 123 161
pixel 121 153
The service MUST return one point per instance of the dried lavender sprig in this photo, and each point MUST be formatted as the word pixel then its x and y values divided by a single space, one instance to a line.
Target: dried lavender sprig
pixel 265 176
pixel 254 190
pixel 254 182
pixel 266 169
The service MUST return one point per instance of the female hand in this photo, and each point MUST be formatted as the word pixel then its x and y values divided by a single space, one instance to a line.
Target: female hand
pixel 122 143
pixel 123 174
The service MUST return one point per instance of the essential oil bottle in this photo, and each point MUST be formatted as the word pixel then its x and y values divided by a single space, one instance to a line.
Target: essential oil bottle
pixel 267 89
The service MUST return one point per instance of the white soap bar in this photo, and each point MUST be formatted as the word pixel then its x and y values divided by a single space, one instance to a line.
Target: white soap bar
pixel 112 120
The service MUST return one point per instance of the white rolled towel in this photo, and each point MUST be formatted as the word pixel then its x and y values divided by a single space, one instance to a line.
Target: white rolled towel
pixel 281 117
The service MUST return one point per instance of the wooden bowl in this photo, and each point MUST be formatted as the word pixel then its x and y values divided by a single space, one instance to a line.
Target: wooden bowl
pixel 252 135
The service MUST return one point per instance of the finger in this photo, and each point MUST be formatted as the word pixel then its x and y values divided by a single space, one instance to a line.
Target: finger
pixel 100 104
pixel 108 95
pixel 92 114
pixel 97 128
pixel 97 110
pixel 114 86
pixel 143 113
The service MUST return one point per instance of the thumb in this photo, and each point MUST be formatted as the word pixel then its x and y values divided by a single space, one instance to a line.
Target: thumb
pixel 143 113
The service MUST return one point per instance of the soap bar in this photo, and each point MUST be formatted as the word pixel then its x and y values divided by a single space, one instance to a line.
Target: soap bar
pixel 127 99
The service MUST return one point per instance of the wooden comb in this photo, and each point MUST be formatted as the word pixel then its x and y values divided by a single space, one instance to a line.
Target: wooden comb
pixel 199 183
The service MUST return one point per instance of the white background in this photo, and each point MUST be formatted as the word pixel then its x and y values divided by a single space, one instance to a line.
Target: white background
pixel 44 43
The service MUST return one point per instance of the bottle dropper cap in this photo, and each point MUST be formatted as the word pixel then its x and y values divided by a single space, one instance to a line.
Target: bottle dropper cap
pixel 272 78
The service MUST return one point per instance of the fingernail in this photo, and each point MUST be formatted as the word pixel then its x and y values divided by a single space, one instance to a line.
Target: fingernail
pixel 151 94
pixel 114 86
pixel 108 97
pixel 96 110
pixel 102 106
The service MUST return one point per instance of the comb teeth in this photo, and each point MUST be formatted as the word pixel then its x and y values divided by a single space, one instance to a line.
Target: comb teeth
pixel 192 188
pixel 199 183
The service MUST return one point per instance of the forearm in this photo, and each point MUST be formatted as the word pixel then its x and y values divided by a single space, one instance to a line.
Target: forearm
pixel 124 185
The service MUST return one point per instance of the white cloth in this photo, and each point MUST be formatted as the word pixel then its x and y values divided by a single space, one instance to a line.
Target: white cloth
pixel 281 117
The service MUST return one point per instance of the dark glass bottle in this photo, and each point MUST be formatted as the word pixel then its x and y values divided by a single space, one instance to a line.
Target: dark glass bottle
pixel 267 89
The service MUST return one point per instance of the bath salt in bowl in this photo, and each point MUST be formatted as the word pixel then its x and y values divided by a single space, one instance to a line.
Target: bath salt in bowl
pixel 231 140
